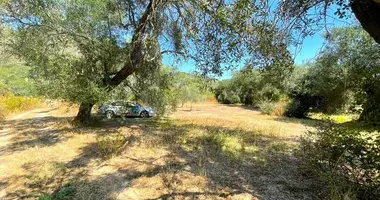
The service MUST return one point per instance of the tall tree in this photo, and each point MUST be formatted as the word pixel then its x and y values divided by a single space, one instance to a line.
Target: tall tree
pixel 83 49
pixel 349 64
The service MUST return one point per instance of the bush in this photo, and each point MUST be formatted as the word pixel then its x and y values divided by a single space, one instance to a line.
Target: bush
pixel 67 192
pixel 228 97
pixel 111 145
pixel 267 107
pixel 10 103
pixel 273 108
pixel 280 108
pixel 235 99
pixel 346 158
pixel 297 109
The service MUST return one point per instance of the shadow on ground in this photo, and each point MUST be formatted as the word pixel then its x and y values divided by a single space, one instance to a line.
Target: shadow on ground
pixel 200 162
pixel 35 132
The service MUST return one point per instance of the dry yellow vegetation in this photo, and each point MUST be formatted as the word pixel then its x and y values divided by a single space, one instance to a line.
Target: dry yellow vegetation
pixel 212 152
pixel 11 104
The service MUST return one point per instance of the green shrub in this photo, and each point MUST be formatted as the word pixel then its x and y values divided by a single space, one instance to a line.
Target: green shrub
pixel 45 197
pixel 267 107
pixel 111 145
pixel 230 145
pixel 228 97
pixel 301 104
pixel 234 99
pixel 66 193
pixel 346 158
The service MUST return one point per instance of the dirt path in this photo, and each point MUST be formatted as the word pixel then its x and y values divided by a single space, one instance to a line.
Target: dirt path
pixel 8 128
pixel 9 133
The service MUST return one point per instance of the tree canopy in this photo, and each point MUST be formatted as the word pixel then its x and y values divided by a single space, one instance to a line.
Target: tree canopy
pixel 81 50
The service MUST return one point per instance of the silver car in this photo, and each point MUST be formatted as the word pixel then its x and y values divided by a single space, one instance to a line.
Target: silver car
pixel 126 109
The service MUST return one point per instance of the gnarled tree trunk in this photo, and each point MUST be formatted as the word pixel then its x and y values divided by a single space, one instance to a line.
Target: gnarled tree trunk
pixel 134 60
pixel 368 14
pixel 84 113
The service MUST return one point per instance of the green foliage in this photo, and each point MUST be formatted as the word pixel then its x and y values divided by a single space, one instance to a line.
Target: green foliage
pixel 81 50
pixel 45 197
pixel 156 90
pixel 344 75
pixel 15 77
pixel 190 88
pixel 163 89
pixel 299 107
pixel 251 87
pixel 67 192
pixel 231 145
pixel 267 107
pixel 111 145
pixel 348 154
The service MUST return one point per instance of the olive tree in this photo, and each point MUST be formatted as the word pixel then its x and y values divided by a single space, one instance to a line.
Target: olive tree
pixel 81 50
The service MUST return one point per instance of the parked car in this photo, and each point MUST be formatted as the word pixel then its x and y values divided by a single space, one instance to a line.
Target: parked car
pixel 120 108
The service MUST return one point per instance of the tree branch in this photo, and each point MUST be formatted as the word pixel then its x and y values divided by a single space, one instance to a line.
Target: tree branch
pixel 135 56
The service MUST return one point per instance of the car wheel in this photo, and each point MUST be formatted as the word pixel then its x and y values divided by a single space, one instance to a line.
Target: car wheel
pixel 109 114
pixel 144 114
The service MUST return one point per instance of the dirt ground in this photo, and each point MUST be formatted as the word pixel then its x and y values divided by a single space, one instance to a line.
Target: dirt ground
pixel 211 152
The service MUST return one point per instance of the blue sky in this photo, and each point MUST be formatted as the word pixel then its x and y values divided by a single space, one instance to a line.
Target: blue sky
pixel 307 52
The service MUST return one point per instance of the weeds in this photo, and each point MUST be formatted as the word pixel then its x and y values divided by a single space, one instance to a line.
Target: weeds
pixel 228 144
pixel 67 192
pixel 200 169
pixel 280 108
pixel 111 145
pixel 12 104
pixel 274 108
pixel 267 107
pixel 345 158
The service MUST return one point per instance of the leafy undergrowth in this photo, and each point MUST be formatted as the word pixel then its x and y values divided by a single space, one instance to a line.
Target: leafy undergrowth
pixel 339 119
pixel 346 157
pixel 10 104
pixel 176 158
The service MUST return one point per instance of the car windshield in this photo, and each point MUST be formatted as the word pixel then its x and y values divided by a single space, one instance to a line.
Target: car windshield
pixel 116 104
pixel 131 104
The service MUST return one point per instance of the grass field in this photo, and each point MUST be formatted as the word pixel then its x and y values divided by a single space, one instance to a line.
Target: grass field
pixel 212 152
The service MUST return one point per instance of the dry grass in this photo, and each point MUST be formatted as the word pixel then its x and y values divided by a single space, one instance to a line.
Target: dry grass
pixel 212 152
pixel 11 104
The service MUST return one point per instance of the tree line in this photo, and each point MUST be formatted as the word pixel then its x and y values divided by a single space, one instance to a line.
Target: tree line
pixel 343 78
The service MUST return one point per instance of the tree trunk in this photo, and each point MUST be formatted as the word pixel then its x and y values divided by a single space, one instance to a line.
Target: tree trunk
pixel 368 14
pixel 371 112
pixel 84 114
pixel 135 58
pixel 371 108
